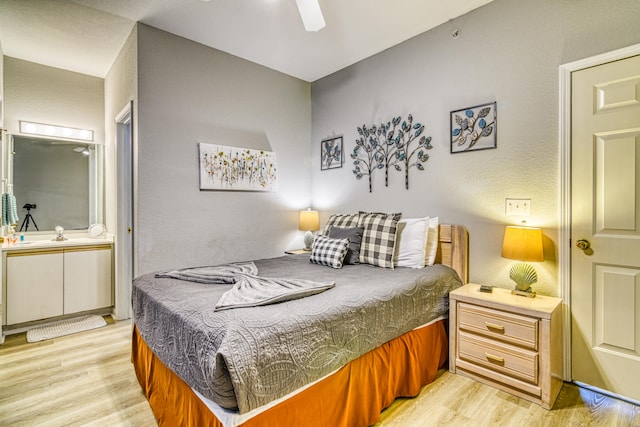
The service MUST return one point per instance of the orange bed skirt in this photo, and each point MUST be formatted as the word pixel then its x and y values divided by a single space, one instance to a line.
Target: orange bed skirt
pixel 353 396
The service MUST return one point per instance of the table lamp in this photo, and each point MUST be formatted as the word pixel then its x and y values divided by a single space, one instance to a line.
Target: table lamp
pixel 523 244
pixel 309 222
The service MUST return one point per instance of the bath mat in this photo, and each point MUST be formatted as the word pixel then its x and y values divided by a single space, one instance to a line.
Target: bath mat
pixel 65 327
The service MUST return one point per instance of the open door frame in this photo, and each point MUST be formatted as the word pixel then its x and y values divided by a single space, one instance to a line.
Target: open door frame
pixel 124 248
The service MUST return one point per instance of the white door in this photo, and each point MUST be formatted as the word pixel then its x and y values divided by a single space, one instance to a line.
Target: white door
pixel 605 206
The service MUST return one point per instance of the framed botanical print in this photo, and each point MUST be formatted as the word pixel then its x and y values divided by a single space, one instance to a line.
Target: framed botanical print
pixel 474 128
pixel 236 169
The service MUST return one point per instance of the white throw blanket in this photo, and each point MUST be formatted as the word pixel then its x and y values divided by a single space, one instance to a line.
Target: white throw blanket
pixel 249 289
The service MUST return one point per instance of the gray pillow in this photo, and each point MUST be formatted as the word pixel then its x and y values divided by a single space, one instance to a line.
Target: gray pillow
pixel 355 238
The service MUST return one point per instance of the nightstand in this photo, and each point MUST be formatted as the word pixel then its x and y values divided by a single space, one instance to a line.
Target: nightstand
pixel 507 341
pixel 297 252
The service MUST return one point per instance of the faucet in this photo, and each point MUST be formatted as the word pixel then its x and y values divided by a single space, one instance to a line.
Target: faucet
pixel 59 234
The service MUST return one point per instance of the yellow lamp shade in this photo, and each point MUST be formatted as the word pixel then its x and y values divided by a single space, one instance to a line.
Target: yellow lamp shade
pixel 309 220
pixel 523 244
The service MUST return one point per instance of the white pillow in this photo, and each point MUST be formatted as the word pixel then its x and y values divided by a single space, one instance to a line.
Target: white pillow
pixel 411 240
pixel 432 241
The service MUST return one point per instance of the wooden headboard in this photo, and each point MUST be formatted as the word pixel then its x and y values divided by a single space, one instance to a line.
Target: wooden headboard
pixel 453 249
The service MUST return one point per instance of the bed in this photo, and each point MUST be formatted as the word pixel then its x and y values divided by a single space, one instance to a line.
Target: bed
pixel 346 380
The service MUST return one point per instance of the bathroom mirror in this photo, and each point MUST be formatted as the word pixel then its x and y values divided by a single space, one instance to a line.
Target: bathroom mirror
pixel 60 181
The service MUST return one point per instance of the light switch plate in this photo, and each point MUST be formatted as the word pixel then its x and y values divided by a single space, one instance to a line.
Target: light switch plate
pixel 518 207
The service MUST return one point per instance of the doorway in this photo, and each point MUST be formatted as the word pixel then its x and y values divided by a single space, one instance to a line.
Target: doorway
pixel 124 253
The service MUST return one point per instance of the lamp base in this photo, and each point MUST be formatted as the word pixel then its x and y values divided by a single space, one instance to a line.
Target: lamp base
pixel 531 294
pixel 524 275
pixel 308 240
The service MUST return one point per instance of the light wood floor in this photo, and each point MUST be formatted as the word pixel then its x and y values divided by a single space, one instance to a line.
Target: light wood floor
pixel 77 380
pixel 87 379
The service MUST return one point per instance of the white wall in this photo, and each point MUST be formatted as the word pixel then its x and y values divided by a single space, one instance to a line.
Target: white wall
pixel 3 137
pixel 120 88
pixel 2 94
pixel 42 94
pixel 508 51
pixel 189 93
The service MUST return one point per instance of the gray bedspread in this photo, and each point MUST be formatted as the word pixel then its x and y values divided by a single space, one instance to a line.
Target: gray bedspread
pixel 246 357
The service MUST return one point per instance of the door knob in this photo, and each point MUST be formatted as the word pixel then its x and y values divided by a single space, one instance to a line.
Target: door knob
pixel 583 244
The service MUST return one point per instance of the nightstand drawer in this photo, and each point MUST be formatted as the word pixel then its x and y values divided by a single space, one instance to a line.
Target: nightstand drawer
pixel 508 327
pixel 496 356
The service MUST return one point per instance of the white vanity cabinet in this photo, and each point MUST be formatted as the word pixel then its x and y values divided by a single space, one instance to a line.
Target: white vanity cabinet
pixel 45 283
pixel 34 285
pixel 87 278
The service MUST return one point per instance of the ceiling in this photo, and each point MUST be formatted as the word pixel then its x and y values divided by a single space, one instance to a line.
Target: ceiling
pixel 86 35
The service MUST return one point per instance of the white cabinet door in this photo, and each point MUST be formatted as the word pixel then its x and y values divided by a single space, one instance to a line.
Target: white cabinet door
pixel 34 286
pixel 87 279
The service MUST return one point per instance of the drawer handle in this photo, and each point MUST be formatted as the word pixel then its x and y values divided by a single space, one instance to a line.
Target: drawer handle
pixel 495 359
pixel 494 326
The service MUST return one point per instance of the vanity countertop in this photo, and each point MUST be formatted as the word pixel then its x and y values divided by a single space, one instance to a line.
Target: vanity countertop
pixel 51 244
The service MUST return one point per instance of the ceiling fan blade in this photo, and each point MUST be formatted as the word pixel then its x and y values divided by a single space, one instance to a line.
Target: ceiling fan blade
pixel 311 14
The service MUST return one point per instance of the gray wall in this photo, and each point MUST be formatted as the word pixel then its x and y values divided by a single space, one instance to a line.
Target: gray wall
pixel 508 51
pixel 189 93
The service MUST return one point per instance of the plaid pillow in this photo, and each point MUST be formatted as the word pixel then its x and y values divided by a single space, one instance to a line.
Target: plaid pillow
pixel 341 220
pixel 379 238
pixel 328 251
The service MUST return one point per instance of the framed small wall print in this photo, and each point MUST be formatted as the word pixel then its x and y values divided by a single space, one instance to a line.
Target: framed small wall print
pixel 331 153
pixel 474 128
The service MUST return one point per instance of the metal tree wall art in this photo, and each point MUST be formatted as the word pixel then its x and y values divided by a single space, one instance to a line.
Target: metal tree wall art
pixel 366 146
pixel 404 137
pixel 389 145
